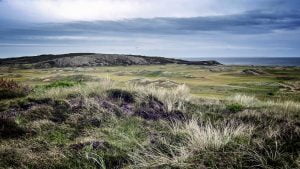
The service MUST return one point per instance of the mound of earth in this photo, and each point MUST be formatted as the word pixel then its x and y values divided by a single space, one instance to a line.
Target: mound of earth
pixel 159 82
pixel 219 69
pixel 293 86
pixel 93 59
pixel 253 72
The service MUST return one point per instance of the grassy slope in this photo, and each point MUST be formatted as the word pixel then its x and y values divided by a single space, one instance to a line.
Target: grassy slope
pixel 230 120
pixel 201 80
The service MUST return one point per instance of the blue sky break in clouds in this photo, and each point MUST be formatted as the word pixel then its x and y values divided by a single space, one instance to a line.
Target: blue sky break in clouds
pixel 174 28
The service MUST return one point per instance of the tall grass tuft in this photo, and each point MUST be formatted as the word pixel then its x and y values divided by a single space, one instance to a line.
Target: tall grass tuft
pixel 245 100
pixel 204 137
pixel 285 108
pixel 154 157
pixel 201 137
pixel 173 99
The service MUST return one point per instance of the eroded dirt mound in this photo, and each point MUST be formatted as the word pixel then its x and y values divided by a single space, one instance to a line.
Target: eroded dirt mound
pixel 255 72
pixel 122 95
pixel 153 109
pixel 159 82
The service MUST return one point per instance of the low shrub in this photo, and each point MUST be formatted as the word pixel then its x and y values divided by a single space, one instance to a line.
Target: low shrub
pixel 11 89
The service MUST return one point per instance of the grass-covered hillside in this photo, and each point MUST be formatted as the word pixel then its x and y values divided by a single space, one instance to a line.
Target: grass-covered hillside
pixel 172 116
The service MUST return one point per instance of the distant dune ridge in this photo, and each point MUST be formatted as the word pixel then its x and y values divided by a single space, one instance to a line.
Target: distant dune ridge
pixel 93 59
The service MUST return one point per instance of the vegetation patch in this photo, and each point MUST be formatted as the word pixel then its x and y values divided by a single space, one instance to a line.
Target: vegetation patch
pixel 10 158
pixel 125 96
pixel 57 84
pixel 234 108
pixel 153 109
pixel 11 89
pixel 224 121
pixel 10 129
pixel 39 112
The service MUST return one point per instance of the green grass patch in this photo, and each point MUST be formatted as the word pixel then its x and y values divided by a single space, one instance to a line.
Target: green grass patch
pixel 125 133
pixel 234 108
pixel 61 84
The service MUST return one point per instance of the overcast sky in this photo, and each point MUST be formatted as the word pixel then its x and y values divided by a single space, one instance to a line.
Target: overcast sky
pixel 173 28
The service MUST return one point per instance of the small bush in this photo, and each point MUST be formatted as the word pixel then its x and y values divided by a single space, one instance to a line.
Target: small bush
pixel 10 89
pixel 121 94
pixel 234 108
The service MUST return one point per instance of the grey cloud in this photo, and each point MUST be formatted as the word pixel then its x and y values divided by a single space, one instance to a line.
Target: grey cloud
pixel 248 23
pixel 253 22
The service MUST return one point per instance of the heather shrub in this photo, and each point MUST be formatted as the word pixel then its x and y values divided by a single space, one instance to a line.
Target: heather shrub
pixel 11 89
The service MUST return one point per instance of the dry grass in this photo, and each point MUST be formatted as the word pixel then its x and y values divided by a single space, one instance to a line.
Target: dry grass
pixel 152 157
pixel 198 138
pixel 208 136
pixel 245 100
pixel 218 138
pixel 8 84
pixel 83 90
pixel 270 154
pixel 173 98
pixel 283 108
